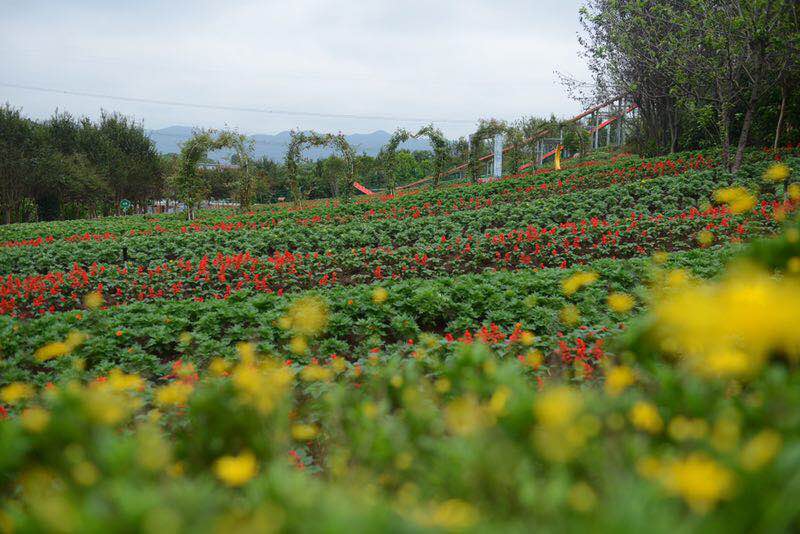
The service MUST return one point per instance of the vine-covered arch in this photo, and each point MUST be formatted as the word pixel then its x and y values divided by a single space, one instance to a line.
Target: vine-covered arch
pixel 186 182
pixel 487 129
pixel 302 140
pixel 438 143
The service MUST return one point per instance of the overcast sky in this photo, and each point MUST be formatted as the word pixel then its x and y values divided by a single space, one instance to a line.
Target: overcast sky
pixel 453 60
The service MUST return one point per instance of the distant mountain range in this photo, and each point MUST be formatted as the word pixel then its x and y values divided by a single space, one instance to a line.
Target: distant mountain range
pixel 168 140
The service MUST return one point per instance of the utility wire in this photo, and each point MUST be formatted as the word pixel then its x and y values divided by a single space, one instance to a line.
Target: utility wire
pixel 240 109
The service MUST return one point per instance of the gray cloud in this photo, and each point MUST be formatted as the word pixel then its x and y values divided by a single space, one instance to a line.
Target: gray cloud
pixel 432 59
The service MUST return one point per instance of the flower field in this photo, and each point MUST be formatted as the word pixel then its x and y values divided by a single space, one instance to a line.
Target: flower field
pixel 612 346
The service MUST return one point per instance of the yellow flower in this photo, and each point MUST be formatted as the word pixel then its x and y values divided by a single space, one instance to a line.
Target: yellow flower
pixel 453 514
pixel 527 338
pixel 793 191
pixel 174 394
pixel 645 416
pixel 534 358
pixel 777 172
pixel 620 302
pixel 119 381
pixel 578 280
pixel 304 432
pixel 85 473
pixel 558 406
pixel 465 416
pixel 35 419
pixel 705 238
pixel 308 315
pixel 582 497
pixel 738 199
pixel 51 350
pixel 219 367
pixel 793 265
pixel 247 352
pixel 236 471
pixel 497 403
pixel 93 300
pixel 760 450
pixel 660 258
pixel 379 295
pixel 570 315
pixel 618 379
pixel 15 392
pixel 700 481
pixel 728 363
pixel 316 373
pixel 682 428
pixel 442 385
pixel 298 345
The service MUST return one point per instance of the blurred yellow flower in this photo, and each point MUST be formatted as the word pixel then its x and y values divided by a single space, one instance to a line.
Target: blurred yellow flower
pixel 15 392
pixel 304 432
pixel 93 300
pixel 558 406
pixel 527 338
pixel 379 295
pixel 237 470
pixel 316 373
pixel 760 450
pixel 699 480
pixel 51 350
pixel 578 280
pixel 645 416
pixel 174 394
pixel 35 419
pixel 777 172
pixel 453 514
pixel 620 302
pixel 582 497
pixel 308 315
pixel 298 345
pixel 569 315
pixel 682 428
pixel 465 416
pixel 705 238
pixel 793 191
pixel 618 379
pixel 738 199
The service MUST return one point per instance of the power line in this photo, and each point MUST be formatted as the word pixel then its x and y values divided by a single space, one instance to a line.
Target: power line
pixel 240 109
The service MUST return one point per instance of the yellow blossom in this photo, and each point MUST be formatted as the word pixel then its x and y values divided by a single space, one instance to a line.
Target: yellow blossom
pixel 174 394
pixel 304 432
pixel 705 238
pixel 85 473
pixel 620 302
pixel 760 450
pixel 582 497
pixel 379 295
pixel 699 480
pixel 465 416
pixel 570 315
pixel 660 258
pixel 298 345
pixel 453 514
pixel 247 352
pixel 534 358
pixel 558 406
pixel 237 470
pixel 645 416
pixel 121 381
pixel 618 379
pixel 738 199
pixel 777 172
pixel 52 350
pixel 527 338
pixel 219 367
pixel 35 419
pixel 15 392
pixel 499 399
pixel 308 315
pixel 793 191
pixel 578 280
pixel 93 300
pixel 683 428
pixel 316 373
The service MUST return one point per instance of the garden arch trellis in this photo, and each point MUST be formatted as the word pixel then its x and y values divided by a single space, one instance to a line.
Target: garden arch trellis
pixel 302 140
pixel 186 182
pixel 487 129
pixel 438 143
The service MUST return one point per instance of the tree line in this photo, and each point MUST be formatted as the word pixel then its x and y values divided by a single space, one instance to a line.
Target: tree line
pixel 67 167
pixel 703 72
